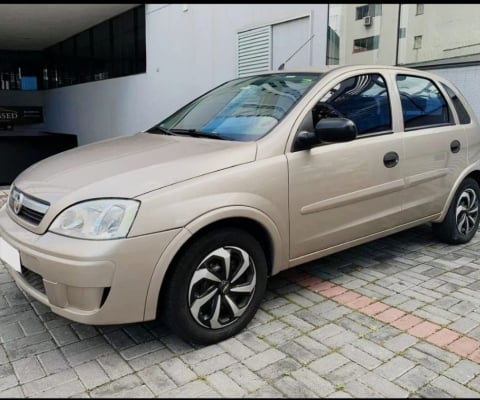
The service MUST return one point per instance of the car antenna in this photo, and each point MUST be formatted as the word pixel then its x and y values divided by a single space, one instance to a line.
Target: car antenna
pixel 282 66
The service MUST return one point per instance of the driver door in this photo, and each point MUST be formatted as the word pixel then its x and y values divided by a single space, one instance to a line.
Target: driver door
pixel 340 192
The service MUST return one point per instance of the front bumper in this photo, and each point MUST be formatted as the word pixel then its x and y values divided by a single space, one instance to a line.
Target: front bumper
pixel 92 282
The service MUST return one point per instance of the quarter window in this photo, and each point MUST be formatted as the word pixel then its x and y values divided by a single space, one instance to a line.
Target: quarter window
pixel 363 99
pixel 459 107
pixel 422 103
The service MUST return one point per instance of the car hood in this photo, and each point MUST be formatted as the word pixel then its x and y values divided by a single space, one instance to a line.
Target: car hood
pixel 130 166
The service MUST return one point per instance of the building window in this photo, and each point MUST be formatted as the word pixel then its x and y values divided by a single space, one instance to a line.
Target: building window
pixel 417 42
pixel 371 10
pixel 362 11
pixel 365 44
pixel 254 51
pixel 452 34
pixel 113 48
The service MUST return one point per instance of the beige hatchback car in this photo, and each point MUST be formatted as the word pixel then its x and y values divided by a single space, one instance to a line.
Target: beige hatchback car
pixel 263 173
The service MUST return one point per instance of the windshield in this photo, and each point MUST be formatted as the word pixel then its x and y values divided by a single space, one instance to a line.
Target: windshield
pixel 243 109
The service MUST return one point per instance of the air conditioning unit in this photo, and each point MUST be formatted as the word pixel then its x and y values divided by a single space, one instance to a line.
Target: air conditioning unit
pixel 367 21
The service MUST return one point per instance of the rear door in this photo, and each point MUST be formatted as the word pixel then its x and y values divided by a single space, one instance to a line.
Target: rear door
pixel 435 145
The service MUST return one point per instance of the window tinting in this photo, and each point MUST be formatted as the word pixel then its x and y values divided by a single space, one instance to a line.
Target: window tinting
pixel 363 99
pixel 113 48
pixel 461 111
pixel 422 103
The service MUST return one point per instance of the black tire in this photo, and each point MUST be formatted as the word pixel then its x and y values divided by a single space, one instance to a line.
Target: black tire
pixel 466 201
pixel 181 297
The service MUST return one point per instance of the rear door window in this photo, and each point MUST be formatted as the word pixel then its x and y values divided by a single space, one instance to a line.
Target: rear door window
pixel 423 105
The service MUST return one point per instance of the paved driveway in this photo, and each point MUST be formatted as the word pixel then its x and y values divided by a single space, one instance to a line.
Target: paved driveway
pixel 398 317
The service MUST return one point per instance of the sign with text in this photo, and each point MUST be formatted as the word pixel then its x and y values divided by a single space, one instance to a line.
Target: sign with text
pixel 21 115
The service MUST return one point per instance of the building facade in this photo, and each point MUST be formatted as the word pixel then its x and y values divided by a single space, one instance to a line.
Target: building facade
pixel 443 38
pixel 126 74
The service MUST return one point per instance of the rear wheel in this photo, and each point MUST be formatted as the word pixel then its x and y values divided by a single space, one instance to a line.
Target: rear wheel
pixel 216 286
pixel 461 222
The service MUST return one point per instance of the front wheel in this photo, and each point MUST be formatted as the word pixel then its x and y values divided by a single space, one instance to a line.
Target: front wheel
pixel 216 286
pixel 461 222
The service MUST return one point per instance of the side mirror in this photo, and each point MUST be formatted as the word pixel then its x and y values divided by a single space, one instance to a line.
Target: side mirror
pixel 305 140
pixel 335 130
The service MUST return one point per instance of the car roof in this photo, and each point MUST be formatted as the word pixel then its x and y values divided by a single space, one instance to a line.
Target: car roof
pixel 338 69
pixel 328 68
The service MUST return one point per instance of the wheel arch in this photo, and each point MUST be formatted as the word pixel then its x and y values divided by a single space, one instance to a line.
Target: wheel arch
pixel 249 219
pixel 472 172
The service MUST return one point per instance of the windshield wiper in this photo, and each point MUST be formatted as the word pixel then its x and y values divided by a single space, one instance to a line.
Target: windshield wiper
pixel 159 129
pixel 195 133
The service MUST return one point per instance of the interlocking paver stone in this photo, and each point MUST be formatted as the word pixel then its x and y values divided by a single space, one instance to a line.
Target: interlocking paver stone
pixel 453 388
pixel 244 377
pixel 321 387
pixel 293 388
pixel 156 380
pixel 425 360
pixel 374 308
pixel 28 369
pixel 415 378
pixel 50 382
pixel 423 329
pixel 394 368
pixel 443 337
pixel 150 359
pixel 178 371
pixel 224 360
pixel 224 385
pixel 114 366
pixel 463 372
pixel 383 386
pixel 464 346
pixel 345 373
pixel 396 317
pixel 328 363
pixel 390 315
pixel 91 374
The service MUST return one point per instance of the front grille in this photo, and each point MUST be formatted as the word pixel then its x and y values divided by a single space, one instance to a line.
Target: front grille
pixel 27 207
pixel 35 280
pixel 30 215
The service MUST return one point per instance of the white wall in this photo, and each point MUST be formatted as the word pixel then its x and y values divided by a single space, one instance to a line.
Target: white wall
pixel 467 80
pixel 188 52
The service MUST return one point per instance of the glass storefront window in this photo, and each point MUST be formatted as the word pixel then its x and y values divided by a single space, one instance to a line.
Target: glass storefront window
pixel 403 34
pixel 113 48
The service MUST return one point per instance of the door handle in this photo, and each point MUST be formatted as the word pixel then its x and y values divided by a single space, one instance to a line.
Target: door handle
pixel 390 159
pixel 455 146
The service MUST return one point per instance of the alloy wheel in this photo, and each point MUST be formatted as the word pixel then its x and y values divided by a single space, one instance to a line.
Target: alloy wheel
pixel 466 212
pixel 222 287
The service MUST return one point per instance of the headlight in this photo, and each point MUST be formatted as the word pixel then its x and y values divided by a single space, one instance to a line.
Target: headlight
pixel 97 219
